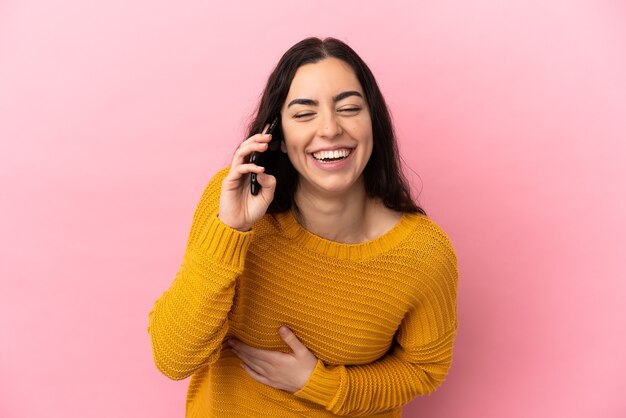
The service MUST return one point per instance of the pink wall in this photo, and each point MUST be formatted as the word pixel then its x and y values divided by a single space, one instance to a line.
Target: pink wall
pixel 113 117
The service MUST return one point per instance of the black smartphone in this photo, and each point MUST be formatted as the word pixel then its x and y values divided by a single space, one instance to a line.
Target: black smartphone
pixel 265 158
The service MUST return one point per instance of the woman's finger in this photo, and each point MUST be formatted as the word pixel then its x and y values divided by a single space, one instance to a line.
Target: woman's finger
pixel 251 352
pixel 256 363
pixel 243 152
pixel 248 168
pixel 268 185
pixel 256 376
pixel 292 341
pixel 257 367
pixel 238 171
pixel 257 138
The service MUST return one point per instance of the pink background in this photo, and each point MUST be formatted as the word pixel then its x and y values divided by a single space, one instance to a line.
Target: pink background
pixel 113 116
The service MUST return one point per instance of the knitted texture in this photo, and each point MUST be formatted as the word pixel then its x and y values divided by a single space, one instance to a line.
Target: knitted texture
pixel 380 316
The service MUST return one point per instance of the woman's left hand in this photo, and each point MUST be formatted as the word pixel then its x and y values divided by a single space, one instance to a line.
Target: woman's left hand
pixel 286 371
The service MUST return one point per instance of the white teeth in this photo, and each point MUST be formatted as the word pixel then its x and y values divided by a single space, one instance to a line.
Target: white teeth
pixel 332 155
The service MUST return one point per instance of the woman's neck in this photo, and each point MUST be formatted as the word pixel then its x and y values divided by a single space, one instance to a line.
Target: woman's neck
pixel 340 218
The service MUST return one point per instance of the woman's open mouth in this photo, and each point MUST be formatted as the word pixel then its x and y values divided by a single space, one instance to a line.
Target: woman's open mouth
pixel 330 156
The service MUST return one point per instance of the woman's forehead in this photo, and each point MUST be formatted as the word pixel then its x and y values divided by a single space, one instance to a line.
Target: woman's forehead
pixel 327 77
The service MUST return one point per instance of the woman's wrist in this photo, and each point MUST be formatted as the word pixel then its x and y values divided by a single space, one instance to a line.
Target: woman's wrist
pixel 230 224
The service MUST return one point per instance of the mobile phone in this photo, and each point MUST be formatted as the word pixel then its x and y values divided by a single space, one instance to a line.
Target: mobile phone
pixel 265 158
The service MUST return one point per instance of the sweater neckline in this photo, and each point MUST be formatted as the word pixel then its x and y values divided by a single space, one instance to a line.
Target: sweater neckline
pixel 292 229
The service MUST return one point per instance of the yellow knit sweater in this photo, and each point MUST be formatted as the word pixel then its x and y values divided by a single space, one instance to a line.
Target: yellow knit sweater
pixel 380 316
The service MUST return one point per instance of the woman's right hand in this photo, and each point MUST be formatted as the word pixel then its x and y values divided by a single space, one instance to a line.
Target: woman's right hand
pixel 239 209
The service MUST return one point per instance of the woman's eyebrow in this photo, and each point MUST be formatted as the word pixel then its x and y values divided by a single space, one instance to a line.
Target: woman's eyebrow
pixel 311 102
pixel 306 102
pixel 345 94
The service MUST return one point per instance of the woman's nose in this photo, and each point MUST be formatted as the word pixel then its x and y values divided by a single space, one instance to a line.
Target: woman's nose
pixel 329 125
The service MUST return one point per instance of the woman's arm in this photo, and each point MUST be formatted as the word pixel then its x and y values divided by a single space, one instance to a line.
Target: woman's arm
pixel 385 384
pixel 416 364
pixel 418 361
pixel 391 382
pixel 189 321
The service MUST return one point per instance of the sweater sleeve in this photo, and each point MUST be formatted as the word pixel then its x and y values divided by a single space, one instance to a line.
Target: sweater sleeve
pixel 189 321
pixel 418 361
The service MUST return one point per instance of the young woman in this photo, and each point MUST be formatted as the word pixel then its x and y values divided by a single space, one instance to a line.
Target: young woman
pixel 327 293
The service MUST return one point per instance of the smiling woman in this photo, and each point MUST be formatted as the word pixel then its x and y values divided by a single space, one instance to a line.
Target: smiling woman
pixel 328 135
pixel 327 293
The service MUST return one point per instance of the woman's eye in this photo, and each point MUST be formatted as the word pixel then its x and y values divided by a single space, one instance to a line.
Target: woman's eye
pixel 302 115
pixel 350 109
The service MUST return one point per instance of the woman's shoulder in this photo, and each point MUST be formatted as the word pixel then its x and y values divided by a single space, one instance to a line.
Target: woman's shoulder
pixel 208 205
pixel 216 181
pixel 425 225
pixel 211 192
pixel 384 220
pixel 428 237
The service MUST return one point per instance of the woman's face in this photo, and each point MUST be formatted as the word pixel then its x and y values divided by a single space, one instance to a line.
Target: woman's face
pixel 327 127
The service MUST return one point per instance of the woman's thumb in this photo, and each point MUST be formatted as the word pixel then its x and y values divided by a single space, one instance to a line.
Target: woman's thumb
pixel 267 182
